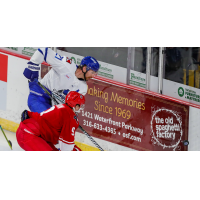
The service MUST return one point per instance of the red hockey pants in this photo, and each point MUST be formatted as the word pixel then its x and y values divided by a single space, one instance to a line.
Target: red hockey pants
pixel 29 139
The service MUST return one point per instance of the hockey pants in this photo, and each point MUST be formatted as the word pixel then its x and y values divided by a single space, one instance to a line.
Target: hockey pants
pixel 38 100
pixel 28 138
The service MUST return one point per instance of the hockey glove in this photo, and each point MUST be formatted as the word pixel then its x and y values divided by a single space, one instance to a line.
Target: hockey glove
pixel 24 115
pixel 61 93
pixel 32 71
pixel 65 92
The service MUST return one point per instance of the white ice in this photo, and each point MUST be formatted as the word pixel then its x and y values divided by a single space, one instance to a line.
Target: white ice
pixel 12 137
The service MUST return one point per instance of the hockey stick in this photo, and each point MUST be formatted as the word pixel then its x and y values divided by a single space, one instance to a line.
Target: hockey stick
pixel 94 142
pixel 9 142
pixel 54 96
pixel 47 92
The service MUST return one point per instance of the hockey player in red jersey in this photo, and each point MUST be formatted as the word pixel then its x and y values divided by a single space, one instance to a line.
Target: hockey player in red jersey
pixel 40 132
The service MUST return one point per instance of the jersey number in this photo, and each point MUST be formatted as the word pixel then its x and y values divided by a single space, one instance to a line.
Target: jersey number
pixel 73 129
pixel 58 57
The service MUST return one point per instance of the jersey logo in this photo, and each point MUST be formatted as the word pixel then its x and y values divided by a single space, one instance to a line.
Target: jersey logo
pixel 68 76
pixel 69 60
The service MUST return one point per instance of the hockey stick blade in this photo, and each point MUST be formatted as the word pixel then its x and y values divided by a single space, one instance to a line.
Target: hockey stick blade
pixel 8 141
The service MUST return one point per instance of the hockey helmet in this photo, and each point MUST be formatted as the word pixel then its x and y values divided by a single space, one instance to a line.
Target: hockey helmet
pixel 73 98
pixel 91 63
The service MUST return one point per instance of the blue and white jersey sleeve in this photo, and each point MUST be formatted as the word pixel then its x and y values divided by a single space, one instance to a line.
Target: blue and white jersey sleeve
pixel 57 62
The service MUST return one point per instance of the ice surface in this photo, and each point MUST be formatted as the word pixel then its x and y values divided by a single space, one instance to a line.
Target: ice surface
pixel 12 137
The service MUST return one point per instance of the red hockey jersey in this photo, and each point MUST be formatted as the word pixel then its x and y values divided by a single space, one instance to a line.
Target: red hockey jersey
pixel 58 123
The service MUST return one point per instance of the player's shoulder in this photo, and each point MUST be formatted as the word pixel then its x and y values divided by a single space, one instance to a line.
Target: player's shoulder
pixel 83 83
pixel 69 63
pixel 64 108
pixel 83 87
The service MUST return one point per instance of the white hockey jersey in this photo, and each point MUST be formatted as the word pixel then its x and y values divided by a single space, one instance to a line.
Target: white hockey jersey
pixel 62 75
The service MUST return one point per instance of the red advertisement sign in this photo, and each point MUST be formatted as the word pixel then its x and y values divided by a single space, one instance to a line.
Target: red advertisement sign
pixel 133 119
pixel 3 67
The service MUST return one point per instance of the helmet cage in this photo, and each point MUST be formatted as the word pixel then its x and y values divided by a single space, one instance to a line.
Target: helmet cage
pixel 81 108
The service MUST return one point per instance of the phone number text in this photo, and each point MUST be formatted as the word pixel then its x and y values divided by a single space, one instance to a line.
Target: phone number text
pixel 99 127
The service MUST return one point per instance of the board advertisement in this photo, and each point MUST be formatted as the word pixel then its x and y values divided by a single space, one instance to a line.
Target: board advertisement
pixel 133 119
pixel 26 51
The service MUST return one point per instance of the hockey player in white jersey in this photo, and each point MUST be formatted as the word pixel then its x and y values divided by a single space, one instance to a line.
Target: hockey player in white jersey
pixel 65 75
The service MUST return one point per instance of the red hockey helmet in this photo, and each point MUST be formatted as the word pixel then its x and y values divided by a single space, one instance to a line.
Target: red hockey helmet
pixel 73 98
